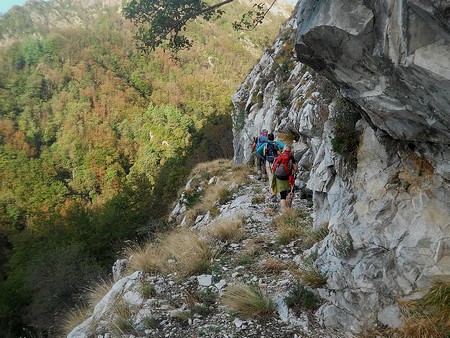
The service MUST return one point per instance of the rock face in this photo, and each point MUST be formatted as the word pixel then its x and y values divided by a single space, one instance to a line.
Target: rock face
pixel 391 57
pixel 387 207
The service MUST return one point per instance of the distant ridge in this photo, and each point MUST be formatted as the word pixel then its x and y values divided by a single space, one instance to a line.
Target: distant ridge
pixel 36 18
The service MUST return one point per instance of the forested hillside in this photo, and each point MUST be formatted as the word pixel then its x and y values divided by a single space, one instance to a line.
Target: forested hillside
pixel 95 140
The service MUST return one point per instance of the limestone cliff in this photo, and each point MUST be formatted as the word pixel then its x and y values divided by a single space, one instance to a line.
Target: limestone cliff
pixel 386 201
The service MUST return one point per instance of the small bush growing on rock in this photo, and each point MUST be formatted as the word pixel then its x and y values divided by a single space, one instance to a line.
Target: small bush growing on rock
pixel 284 96
pixel 150 322
pixel 192 197
pixel 258 199
pixel 206 296
pixel 300 298
pixel 344 246
pixel 147 290
pixel 248 301
pixel 310 275
pixel 319 234
pixel 225 195
pixel 346 139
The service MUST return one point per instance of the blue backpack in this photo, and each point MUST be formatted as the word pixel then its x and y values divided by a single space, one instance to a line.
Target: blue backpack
pixel 261 139
pixel 271 152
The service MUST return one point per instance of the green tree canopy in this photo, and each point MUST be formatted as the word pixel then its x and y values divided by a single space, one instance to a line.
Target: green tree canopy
pixel 161 22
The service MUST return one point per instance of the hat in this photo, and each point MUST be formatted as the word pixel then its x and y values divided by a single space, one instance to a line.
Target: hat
pixel 264 132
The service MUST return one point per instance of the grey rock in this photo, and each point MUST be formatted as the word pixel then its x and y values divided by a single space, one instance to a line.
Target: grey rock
pixel 204 280
pixel 119 268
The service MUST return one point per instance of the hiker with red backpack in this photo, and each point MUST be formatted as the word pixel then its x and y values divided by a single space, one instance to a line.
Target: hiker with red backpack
pixel 269 151
pixel 260 162
pixel 283 170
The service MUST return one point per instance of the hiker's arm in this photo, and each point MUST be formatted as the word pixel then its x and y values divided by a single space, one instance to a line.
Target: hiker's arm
pixel 295 166
pixel 260 150
pixel 280 144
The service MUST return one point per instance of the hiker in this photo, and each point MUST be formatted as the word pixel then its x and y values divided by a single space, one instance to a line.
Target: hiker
pixel 270 151
pixel 259 161
pixel 283 170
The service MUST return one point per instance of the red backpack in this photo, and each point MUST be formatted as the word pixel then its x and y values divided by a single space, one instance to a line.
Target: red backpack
pixel 282 167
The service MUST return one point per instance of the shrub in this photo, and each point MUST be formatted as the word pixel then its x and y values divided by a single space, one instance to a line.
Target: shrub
pixel 147 290
pixel 258 199
pixel 192 197
pixel 346 139
pixel 344 246
pixel 300 298
pixel 248 301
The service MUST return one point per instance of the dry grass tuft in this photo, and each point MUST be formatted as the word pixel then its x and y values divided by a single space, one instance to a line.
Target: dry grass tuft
pixel 97 290
pixel 296 224
pixel 214 168
pixel 248 301
pixel 180 251
pixel 310 275
pixel 74 318
pixel 202 201
pixel 240 174
pixel 94 293
pixel 428 317
pixel 147 259
pixel 272 265
pixel 292 224
pixel 213 194
pixel 185 252
pixel 287 138
pixel 230 229
pixel 123 324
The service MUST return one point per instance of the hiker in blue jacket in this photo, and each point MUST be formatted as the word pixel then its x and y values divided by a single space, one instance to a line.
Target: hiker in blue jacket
pixel 260 165
pixel 269 151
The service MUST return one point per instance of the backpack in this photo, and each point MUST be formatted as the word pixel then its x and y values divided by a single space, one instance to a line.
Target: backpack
pixel 271 152
pixel 261 139
pixel 282 167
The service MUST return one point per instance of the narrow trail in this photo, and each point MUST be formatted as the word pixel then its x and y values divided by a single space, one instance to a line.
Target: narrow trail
pixel 194 307
pixel 258 259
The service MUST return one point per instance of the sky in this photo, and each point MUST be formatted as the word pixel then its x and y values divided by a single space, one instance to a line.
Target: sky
pixel 7 4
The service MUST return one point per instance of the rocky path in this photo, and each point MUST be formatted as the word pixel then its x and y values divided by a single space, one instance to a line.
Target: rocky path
pixel 194 307
pixel 247 262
